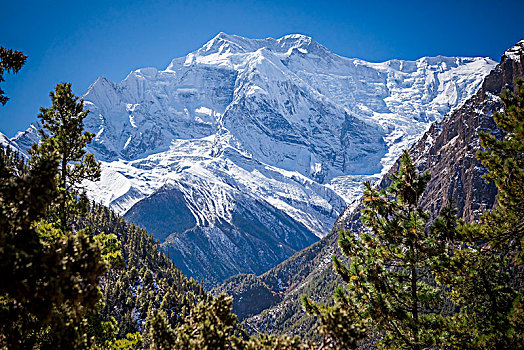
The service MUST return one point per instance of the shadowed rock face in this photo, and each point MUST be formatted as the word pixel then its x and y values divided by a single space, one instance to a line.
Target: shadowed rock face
pixel 248 242
pixel 162 212
pixel 447 150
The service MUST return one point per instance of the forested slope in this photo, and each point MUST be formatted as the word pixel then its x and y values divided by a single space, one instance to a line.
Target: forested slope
pixel 147 280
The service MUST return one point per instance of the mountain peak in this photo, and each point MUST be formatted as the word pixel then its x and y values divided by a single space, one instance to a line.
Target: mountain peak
pixel 303 43
pixel 224 36
pixel 224 43
pixel 296 39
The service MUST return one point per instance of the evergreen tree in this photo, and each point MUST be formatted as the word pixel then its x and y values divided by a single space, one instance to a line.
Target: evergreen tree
pixel 53 273
pixel 148 282
pixel 484 275
pixel 389 278
pixel 11 61
pixel 340 325
pixel 274 342
pixel 161 335
pixel 504 159
pixel 212 326
pixel 24 196
pixel 490 309
pixel 209 326
pixel 63 132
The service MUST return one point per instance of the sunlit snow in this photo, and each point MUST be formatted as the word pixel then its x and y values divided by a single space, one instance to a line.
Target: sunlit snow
pixel 280 120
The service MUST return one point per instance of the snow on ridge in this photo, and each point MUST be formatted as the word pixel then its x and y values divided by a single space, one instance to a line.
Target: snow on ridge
pixel 6 142
pixel 282 120
pixel 516 51
pixel 211 185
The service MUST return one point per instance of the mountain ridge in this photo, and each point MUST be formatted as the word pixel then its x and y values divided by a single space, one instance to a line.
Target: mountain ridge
pixel 282 124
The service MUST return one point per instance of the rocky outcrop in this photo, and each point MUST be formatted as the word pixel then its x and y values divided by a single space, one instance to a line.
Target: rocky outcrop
pixel 448 150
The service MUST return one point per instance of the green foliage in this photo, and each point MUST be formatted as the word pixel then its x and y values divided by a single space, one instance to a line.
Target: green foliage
pixel 53 274
pixel 130 342
pixel 53 270
pixel 389 277
pixel 274 342
pixel 110 249
pixel 209 326
pixel 484 275
pixel 161 335
pixel 24 195
pixel 63 133
pixel 11 61
pixel 480 285
pixel 146 280
pixel 505 160
pixel 340 326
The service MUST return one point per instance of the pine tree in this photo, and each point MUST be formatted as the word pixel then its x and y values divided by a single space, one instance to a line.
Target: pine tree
pixel 341 326
pixel 504 159
pixel 11 61
pixel 53 273
pixel 490 309
pixel 210 325
pixel 484 275
pixel 389 277
pixel 160 334
pixel 24 197
pixel 63 132
pixel 274 342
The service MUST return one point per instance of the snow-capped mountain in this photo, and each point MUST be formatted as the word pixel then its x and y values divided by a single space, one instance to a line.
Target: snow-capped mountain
pixel 260 143
pixel 5 142
pixel 447 151
pixel 290 91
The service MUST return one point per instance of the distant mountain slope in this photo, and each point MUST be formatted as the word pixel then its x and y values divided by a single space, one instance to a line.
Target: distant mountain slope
pixel 272 134
pixel 447 150
pixel 148 280
pixel 247 239
pixel 6 142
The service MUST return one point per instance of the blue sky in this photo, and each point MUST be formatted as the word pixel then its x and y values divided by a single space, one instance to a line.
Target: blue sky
pixel 77 41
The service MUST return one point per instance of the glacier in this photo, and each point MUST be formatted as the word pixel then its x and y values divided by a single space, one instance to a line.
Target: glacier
pixel 282 131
